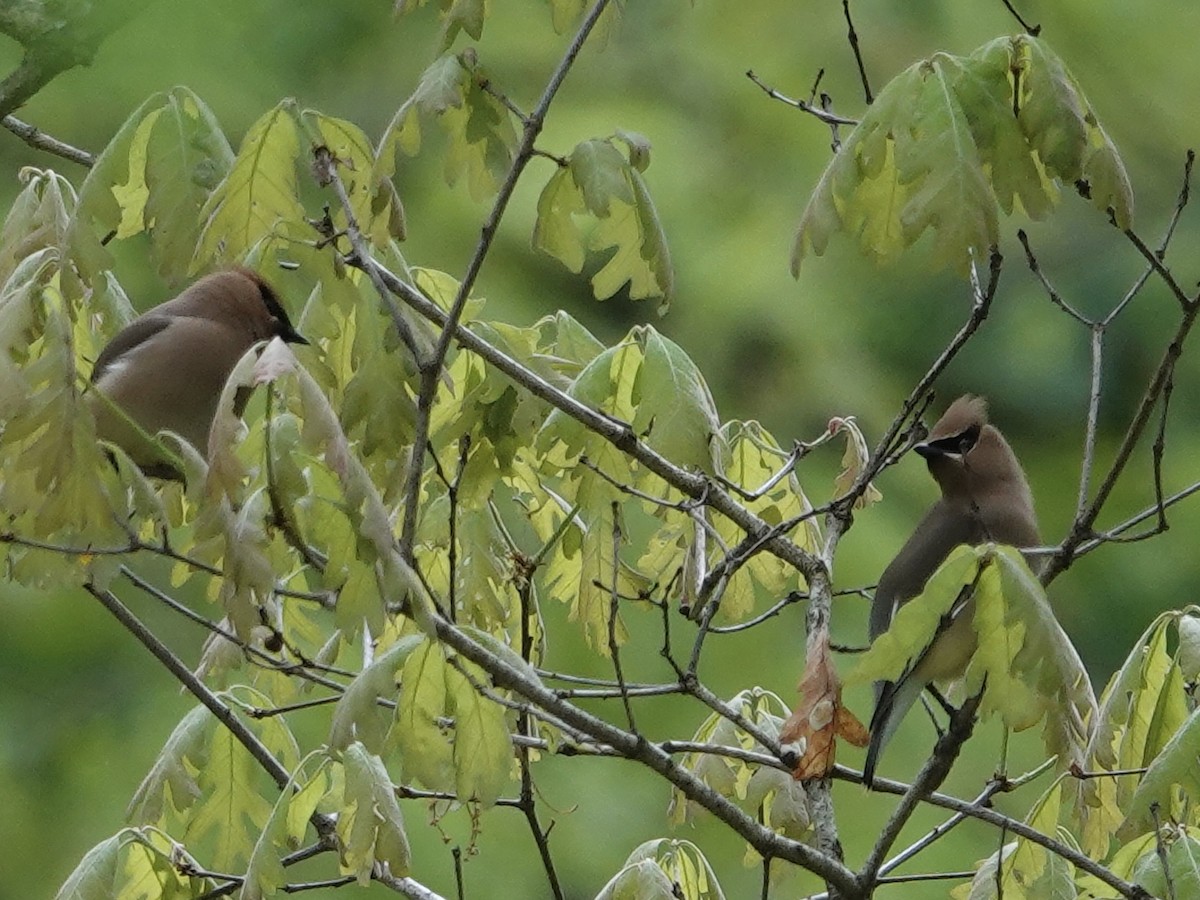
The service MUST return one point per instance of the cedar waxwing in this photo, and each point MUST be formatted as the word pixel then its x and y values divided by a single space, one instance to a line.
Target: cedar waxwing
pixel 985 497
pixel 166 369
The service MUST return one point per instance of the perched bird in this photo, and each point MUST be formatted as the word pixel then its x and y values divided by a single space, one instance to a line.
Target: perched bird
pixel 985 497
pixel 166 369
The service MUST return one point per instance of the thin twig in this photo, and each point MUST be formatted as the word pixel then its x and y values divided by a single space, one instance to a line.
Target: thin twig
pixel 614 612
pixel 41 141
pixel 1031 30
pixel 824 115
pixel 1160 848
pixel 1016 826
pixel 852 36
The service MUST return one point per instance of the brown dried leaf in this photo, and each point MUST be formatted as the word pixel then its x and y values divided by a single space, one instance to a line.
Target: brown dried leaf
pixel 853 460
pixel 819 718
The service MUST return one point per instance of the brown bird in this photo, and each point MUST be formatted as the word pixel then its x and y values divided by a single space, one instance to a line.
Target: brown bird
pixel 985 497
pixel 166 369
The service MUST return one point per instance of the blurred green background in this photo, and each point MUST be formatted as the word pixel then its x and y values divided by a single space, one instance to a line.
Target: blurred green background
pixel 84 711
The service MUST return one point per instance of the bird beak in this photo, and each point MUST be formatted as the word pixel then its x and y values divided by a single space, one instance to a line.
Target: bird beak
pixel 931 451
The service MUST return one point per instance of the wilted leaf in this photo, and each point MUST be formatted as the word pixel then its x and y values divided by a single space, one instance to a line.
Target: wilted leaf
pixel 854 460
pixel 819 718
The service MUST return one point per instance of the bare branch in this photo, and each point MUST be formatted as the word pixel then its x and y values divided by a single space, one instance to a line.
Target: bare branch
pixel 42 141
pixel 852 36
pixel 804 106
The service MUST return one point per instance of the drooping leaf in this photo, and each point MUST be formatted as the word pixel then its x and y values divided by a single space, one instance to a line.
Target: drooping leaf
pixel 173 772
pixel 819 718
pixel 478 125
pixel 232 810
pixel 952 139
pixel 186 157
pixel 755 788
pixel 680 866
pixel 96 874
pixel 675 409
pixel 421 731
pixel 1124 734
pixel 357 715
pixel 483 756
pixel 600 183
pixel 370 824
pixel 1030 666
pixel 1176 768
pixel 917 621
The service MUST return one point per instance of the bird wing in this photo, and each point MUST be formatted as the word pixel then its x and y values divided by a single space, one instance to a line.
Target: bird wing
pixel 944 527
pixel 133 335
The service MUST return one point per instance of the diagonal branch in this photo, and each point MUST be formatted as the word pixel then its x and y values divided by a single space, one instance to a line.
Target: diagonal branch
pixel 431 371
pixel 636 748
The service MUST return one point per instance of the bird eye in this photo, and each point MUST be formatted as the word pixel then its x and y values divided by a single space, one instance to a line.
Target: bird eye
pixel 967 439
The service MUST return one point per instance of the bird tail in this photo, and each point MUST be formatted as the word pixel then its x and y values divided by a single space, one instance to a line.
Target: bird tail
pixel 895 700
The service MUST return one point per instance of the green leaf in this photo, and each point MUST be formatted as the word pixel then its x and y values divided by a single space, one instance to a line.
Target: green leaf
pixel 95 876
pixel 420 731
pixel 173 773
pixel 684 869
pixel 1064 131
pixel 555 232
pixel 39 219
pixel 186 157
pixel 370 824
pixel 749 456
pixel 1177 766
pixel 937 160
pixel 950 139
pixel 1029 664
pixel 1178 875
pixel 357 715
pixel 264 870
pixel 1189 646
pixel 606 384
pixel 483 755
pixel 1035 871
pixel 463 15
pixel 478 125
pixel 641 257
pixel 1122 735
pixel 600 181
pixel 675 409
pixel 355 159
pixel 754 788
pixel 917 621
pixel 260 193
pixel 600 172
pixel 641 880
pixel 231 811
pixel 984 87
